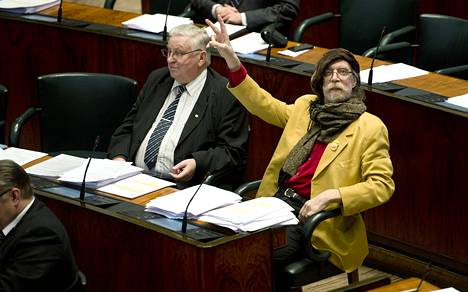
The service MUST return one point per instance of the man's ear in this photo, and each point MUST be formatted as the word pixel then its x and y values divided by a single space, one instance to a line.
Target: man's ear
pixel 15 195
pixel 203 59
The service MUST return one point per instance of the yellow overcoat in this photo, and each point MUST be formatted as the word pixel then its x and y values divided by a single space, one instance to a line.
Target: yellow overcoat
pixel 357 163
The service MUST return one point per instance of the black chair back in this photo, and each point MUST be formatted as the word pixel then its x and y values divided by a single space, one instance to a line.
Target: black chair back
pixel 443 42
pixel 361 21
pixel 77 107
pixel 3 111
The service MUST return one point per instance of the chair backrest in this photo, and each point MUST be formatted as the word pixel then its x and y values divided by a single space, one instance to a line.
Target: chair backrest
pixel 77 107
pixel 3 111
pixel 443 42
pixel 361 21
pixel 109 4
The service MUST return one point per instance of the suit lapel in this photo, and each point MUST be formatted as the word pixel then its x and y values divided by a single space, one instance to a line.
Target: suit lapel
pixel 334 148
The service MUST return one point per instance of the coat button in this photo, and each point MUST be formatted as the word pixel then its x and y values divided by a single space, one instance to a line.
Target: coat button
pixel 334 146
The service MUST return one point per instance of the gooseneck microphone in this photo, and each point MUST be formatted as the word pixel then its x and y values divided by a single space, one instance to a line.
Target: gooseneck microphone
pixel 165 22
pixel 371 69
pixel 83 184
pixel 59 14
pixel 184 219
pixel 273 38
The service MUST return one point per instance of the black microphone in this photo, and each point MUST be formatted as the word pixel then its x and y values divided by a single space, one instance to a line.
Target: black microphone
pixel 428 269
pixel 83 184
pixel 184 219
pixel 371 72
pixel 59 14
pixel 165 22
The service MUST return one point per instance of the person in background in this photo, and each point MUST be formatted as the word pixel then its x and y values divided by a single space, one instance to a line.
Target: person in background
pixel 254 14
pixel 35 252
pixel 184 122
pixel 332 154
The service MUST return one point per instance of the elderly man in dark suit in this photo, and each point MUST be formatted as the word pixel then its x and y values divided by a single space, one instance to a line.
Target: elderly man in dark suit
pixel 184 123
pixel 254 14
pixel 35 252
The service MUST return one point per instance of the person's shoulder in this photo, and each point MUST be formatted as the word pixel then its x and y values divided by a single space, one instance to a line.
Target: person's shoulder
pixel 371 122
pixel 159 73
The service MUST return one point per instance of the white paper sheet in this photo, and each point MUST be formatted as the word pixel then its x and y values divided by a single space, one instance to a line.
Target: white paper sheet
pixel 56 166
pixel 136 186
pixel 461 100
pixel 249 43
pixel 155 22
pixel 21 156
pixel 386 73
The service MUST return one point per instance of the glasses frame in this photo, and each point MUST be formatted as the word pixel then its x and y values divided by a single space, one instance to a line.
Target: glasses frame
pixel 176 54
pixel 342 73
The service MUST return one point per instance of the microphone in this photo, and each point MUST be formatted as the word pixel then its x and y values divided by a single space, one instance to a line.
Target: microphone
pixel 59 14
pixel 273 38
pixel 184 219
pixel 428 269
pixel 165 22
pixel 83 184
pixel 371 72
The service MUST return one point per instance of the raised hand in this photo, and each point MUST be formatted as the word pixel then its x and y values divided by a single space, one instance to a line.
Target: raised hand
pixel 220 41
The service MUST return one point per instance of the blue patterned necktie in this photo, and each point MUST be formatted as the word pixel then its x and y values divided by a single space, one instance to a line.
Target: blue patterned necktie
pixel 160 131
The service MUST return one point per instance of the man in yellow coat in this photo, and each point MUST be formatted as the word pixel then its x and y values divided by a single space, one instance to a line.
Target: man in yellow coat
pixel 331 153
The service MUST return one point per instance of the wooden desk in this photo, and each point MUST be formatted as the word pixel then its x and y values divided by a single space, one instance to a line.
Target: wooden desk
pixel 425 217
pixel 120 253
pixel 408 285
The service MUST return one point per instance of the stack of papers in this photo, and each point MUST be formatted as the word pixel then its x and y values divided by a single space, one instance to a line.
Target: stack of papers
pixel 386 73
pixel 249 43
pixel 20 156
pixel 207 198
pixel 26 6
pixel 135 186
pixel 155 22
pixel 71 169
pixel 230 28
pixel 252 215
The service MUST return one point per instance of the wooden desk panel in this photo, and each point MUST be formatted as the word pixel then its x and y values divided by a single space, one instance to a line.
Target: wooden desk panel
pixel 118 253
pixel 428 143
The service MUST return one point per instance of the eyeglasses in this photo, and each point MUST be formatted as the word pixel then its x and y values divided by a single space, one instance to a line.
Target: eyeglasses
pixel 342 72
pixel 4 192
pixel 175 53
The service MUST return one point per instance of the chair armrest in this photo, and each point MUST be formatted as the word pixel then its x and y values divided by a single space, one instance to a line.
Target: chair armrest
pixel 299 32
pixel 453 70
pixel 387 48
pixel 245 189
pixel 17 125
pixel 309 228
pixel 391 36
pixel 226 178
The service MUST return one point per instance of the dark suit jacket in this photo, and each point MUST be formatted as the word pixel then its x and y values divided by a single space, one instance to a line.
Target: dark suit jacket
pixel 259 13
pixel 36 255
pixel 215 134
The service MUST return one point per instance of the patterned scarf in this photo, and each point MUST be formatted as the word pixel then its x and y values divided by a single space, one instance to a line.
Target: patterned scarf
pixel 327 121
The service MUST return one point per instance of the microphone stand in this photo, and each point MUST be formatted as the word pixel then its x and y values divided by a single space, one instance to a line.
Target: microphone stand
pixel 83 184
pixel 165 22
pixel 185 219
pixel 371 70
pixel 59 14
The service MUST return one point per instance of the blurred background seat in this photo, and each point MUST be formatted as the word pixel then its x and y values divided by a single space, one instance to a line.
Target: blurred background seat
pixel 3 111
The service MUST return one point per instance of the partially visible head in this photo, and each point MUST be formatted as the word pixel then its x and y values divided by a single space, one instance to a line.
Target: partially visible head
pixel 187 56
pixel 329 84
pixel 15 191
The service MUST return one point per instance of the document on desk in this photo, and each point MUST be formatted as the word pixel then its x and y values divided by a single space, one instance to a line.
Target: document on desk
pixel 230 28
pixel 207 198
pixel 55 166
pixel 136 186
pixel 101 172
pixel 249 43
pixel 252 215
pixel 20 156
pixel 461 100
pixel 155 22
pixel 386 73
pixel 26 6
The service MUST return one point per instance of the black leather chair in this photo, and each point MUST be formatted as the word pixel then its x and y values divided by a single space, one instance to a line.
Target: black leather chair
pixel 315 266
pixel 361 23
pixel 178 7
pixel 75 108
pixel 442 45
pixel 3 111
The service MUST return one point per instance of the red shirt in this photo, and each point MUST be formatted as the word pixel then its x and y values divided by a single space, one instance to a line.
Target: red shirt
pixel 300 182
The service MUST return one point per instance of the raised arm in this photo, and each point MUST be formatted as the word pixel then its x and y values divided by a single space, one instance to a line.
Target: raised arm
pixel 220 41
